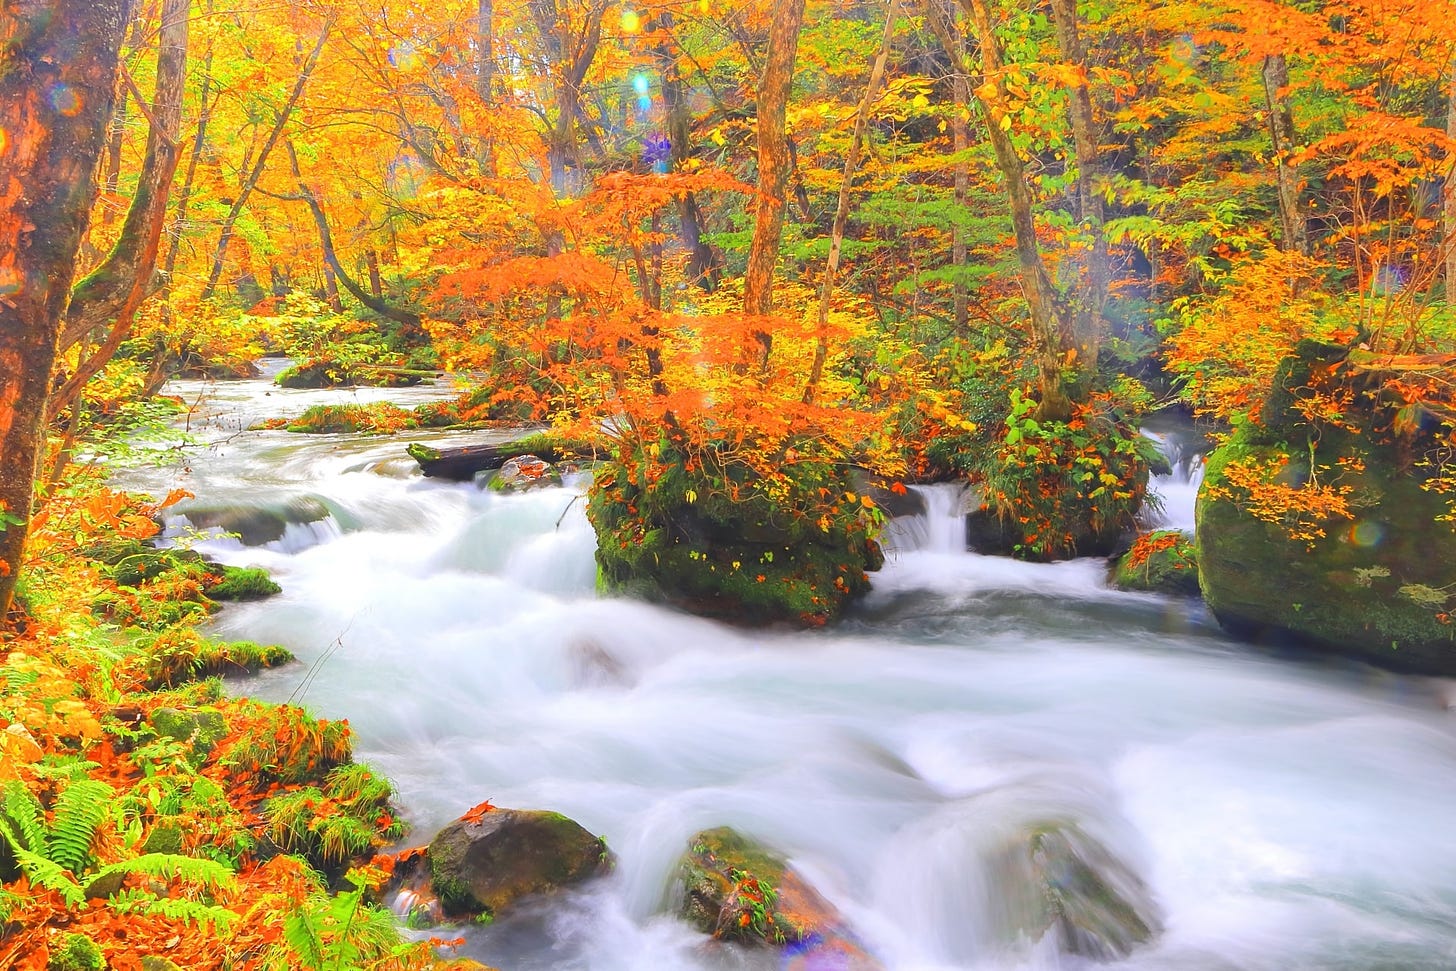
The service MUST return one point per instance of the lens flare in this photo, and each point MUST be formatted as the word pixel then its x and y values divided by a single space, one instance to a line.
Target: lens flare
pixel 641 84
pixel 65 100
pixel 631 23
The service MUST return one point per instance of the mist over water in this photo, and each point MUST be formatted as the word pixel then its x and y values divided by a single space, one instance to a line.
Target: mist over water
pixel 1283 814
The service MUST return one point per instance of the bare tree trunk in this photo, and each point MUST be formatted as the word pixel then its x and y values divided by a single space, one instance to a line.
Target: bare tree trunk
pixel 702 263
pixel 1051 329
pixel 376 283
pixel 115 289
pixel 1295 237
pixel 58 63
pixel 773 165
pixel 841 211
pixel 257 170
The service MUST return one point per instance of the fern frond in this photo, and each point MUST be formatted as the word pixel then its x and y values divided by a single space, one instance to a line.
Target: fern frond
pixel 303 938
pixel 25 811
pixel 80 808
pixel 206 916
pixel 51 876
pixel 191 870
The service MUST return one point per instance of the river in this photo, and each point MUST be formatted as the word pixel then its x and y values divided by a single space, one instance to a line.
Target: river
pixel 1285 813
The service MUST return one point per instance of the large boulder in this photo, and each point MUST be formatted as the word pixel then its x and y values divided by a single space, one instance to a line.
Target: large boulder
pixel 1163 561
pixel 739 890
pixel 1372 576
pixel 490 858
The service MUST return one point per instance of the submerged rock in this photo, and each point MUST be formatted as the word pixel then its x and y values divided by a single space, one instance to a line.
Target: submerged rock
pixel 254 525
pixel 1058 880
pixel 491 858
pixel 738 890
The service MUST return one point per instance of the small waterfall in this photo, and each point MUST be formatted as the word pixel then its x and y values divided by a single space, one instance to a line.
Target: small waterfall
pixel 940 528
pixel 1177 490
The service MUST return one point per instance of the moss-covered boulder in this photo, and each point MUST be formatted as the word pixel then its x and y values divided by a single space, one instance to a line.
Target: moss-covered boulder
pixel 1163 561
pixel 738 890
pixel 491 858
pixel 1336 531
pixel 254 523
pixel 1056 879
pixel 722 537
pixel 75 952
pixel 236 583
pixel 202 728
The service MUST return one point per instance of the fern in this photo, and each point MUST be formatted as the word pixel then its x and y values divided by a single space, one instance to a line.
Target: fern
pixel 23 810
pixel 51 876
pixel 170 867
pixel 205 916
pixel 80 808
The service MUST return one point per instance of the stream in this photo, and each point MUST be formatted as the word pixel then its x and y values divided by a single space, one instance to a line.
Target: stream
pixel 1285 813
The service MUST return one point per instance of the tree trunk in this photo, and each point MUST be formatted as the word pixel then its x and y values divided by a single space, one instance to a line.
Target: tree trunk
pixel 942 21
pixel 1281 133
pixel 58 63
pixel 773 165
pixel 702 263
pixel 841 211
pixel 1450 201
pixel 485 79
pixel 184 193
pixel 116 288
pixel 1051 330
pixel 1091 301
pixel 334 270
pixel 256 172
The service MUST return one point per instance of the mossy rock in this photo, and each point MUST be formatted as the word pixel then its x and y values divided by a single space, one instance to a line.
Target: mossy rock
pixel 492 858
pixel 203 728
pixel 1163 561
pixel 153 963
pixel 255 524
pixel 1374 587
pixel 76 952
pixel 244 657
pixel 736 889
pixel 243 583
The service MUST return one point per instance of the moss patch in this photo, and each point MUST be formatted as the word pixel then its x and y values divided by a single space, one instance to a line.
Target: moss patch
pixel 1163 561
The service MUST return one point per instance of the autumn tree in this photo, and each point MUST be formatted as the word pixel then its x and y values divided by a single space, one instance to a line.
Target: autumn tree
pixel 57 87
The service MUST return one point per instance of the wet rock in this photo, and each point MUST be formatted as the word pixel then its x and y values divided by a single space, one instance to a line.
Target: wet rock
pixel 243 583
pixel 524 472
pixel 738 890
pixel 491 858
pixel 255 525
pixel 1058 880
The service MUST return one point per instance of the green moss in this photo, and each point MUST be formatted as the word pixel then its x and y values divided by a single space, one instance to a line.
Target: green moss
pixel 380 417
pixel 243 583
pixel 76 952
pixel 1163 561
pixel 723 542
pixel 1342 591
pixel 201 728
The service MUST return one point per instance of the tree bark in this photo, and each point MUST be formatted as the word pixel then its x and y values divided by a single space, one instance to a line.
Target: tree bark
pixel 773 165
pixel 1281 132
pixel 115 289
pixel 703 265
pixel 256 172
pixel 1051 330
pixel 841 211
pixel 58 64
pixel 1090 302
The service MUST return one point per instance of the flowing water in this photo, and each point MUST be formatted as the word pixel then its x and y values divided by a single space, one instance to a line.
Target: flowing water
pixel 1284 814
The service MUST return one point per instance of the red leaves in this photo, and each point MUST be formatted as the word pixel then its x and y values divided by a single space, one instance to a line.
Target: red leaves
pixel 477 813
